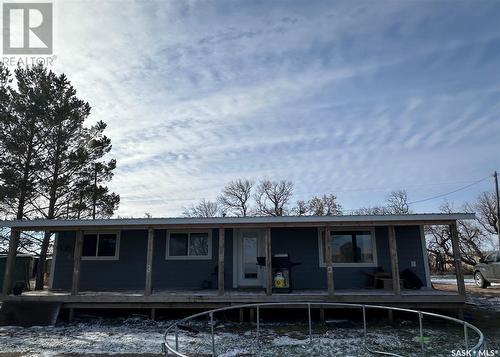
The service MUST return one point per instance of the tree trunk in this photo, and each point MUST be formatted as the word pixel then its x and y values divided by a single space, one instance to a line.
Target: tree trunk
pixel 40 270
pixel 11 259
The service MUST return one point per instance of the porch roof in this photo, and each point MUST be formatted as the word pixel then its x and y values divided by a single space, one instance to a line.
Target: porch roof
pixel 284 221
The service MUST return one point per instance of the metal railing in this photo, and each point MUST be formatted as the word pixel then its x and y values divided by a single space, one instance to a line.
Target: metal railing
pixel 174 328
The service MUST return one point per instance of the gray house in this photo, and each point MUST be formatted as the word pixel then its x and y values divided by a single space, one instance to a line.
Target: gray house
pixel 207 262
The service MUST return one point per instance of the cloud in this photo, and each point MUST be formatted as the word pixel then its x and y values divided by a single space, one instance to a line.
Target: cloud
pixel 336 97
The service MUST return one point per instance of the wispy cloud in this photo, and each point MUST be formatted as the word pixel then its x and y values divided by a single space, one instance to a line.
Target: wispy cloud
pixel 337 97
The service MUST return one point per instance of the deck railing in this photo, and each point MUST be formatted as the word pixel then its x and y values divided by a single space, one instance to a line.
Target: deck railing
pixel 172 331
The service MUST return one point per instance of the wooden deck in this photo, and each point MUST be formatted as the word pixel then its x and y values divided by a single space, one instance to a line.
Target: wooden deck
pixel 424 298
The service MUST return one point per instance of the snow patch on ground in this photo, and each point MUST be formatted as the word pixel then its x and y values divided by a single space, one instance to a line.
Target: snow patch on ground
pixel 451 281
pixel 119 336
pixel 235 353
pixel 490 303
pixel 288 341
pixel 138 335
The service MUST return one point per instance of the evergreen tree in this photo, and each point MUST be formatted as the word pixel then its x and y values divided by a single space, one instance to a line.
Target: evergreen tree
pixel 71 152
pixel 51 165
pixel 23 110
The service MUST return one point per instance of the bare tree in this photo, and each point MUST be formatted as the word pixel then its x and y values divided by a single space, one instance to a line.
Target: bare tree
pixel 473 241
pixel 204 209
pixel 273 197
pixel 301 208
pixel 235 197
pixel 372 211
pixel 397 202
pixel 326 205
pixel 485 208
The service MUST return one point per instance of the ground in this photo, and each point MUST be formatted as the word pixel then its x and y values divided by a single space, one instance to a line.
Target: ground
pixel 483 308
pixel 91 336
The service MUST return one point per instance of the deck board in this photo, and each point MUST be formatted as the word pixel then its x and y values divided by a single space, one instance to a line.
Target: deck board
pixel 209 298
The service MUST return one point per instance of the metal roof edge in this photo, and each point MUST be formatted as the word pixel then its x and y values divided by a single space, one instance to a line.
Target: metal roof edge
pixel 151 222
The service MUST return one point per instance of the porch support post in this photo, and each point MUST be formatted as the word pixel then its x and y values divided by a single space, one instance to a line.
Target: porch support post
pixel 149 262
pixel 458 261
pixel 269 272
pixel 11 262
pixel 220 279
pixel 77 259
pixel 328 261
pixel 394 261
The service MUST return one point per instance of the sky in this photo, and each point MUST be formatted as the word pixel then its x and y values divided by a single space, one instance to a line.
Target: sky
pixel 354 98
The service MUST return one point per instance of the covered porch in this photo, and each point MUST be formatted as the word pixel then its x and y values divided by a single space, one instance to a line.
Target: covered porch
pixel 223 293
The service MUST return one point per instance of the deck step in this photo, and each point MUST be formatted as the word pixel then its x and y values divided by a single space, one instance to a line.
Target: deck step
pixel 29 313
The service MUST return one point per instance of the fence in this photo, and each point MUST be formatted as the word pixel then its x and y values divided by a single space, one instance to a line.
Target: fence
pixel 173 330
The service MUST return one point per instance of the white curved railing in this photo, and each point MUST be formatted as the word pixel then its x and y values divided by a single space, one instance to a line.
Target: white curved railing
pixel 174 328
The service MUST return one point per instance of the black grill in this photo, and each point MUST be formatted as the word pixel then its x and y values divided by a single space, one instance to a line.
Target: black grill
pixel 280 263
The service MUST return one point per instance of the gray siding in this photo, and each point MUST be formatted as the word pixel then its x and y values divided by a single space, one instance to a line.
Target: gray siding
pixel 301 243
pixel 191 274
pixel 303 247
pixel 22 269
pixel 129 271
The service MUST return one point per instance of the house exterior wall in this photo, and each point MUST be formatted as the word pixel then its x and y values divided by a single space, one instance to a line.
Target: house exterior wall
pixel 22 269
pixel 128 272
pixel 303 246
pixel 191 274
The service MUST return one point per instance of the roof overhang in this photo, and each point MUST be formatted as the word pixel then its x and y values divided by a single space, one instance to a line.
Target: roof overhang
pixel 285 221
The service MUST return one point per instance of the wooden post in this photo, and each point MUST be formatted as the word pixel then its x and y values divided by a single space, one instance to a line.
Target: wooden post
pixel 149 262
pixel 458 261
pixel 10 264
pixel 251 316
pixel 497 194
pixel 220 279
pixel 77 259
pixel 71 314
pixel 328 263
pixel 269 271
pixel 242 316
pixel 396 286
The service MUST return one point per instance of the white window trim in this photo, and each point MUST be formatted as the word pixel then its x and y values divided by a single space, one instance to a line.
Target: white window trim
pixel 322 264
pixel 188 257
pixel 426 258
pixel 117 250
pixel 53 263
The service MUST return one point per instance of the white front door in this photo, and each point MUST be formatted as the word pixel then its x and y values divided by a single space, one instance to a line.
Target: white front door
pixel 249 247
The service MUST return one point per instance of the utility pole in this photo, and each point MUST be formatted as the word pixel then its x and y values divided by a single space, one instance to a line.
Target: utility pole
pixel 94 195
pixel 495 175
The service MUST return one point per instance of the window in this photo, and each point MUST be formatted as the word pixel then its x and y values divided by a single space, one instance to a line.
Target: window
pixel 100 246
pixel 356 248
pixel 492 258
pixel 189 245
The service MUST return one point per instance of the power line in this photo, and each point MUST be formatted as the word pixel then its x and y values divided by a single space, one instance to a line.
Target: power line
pixel 451 192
